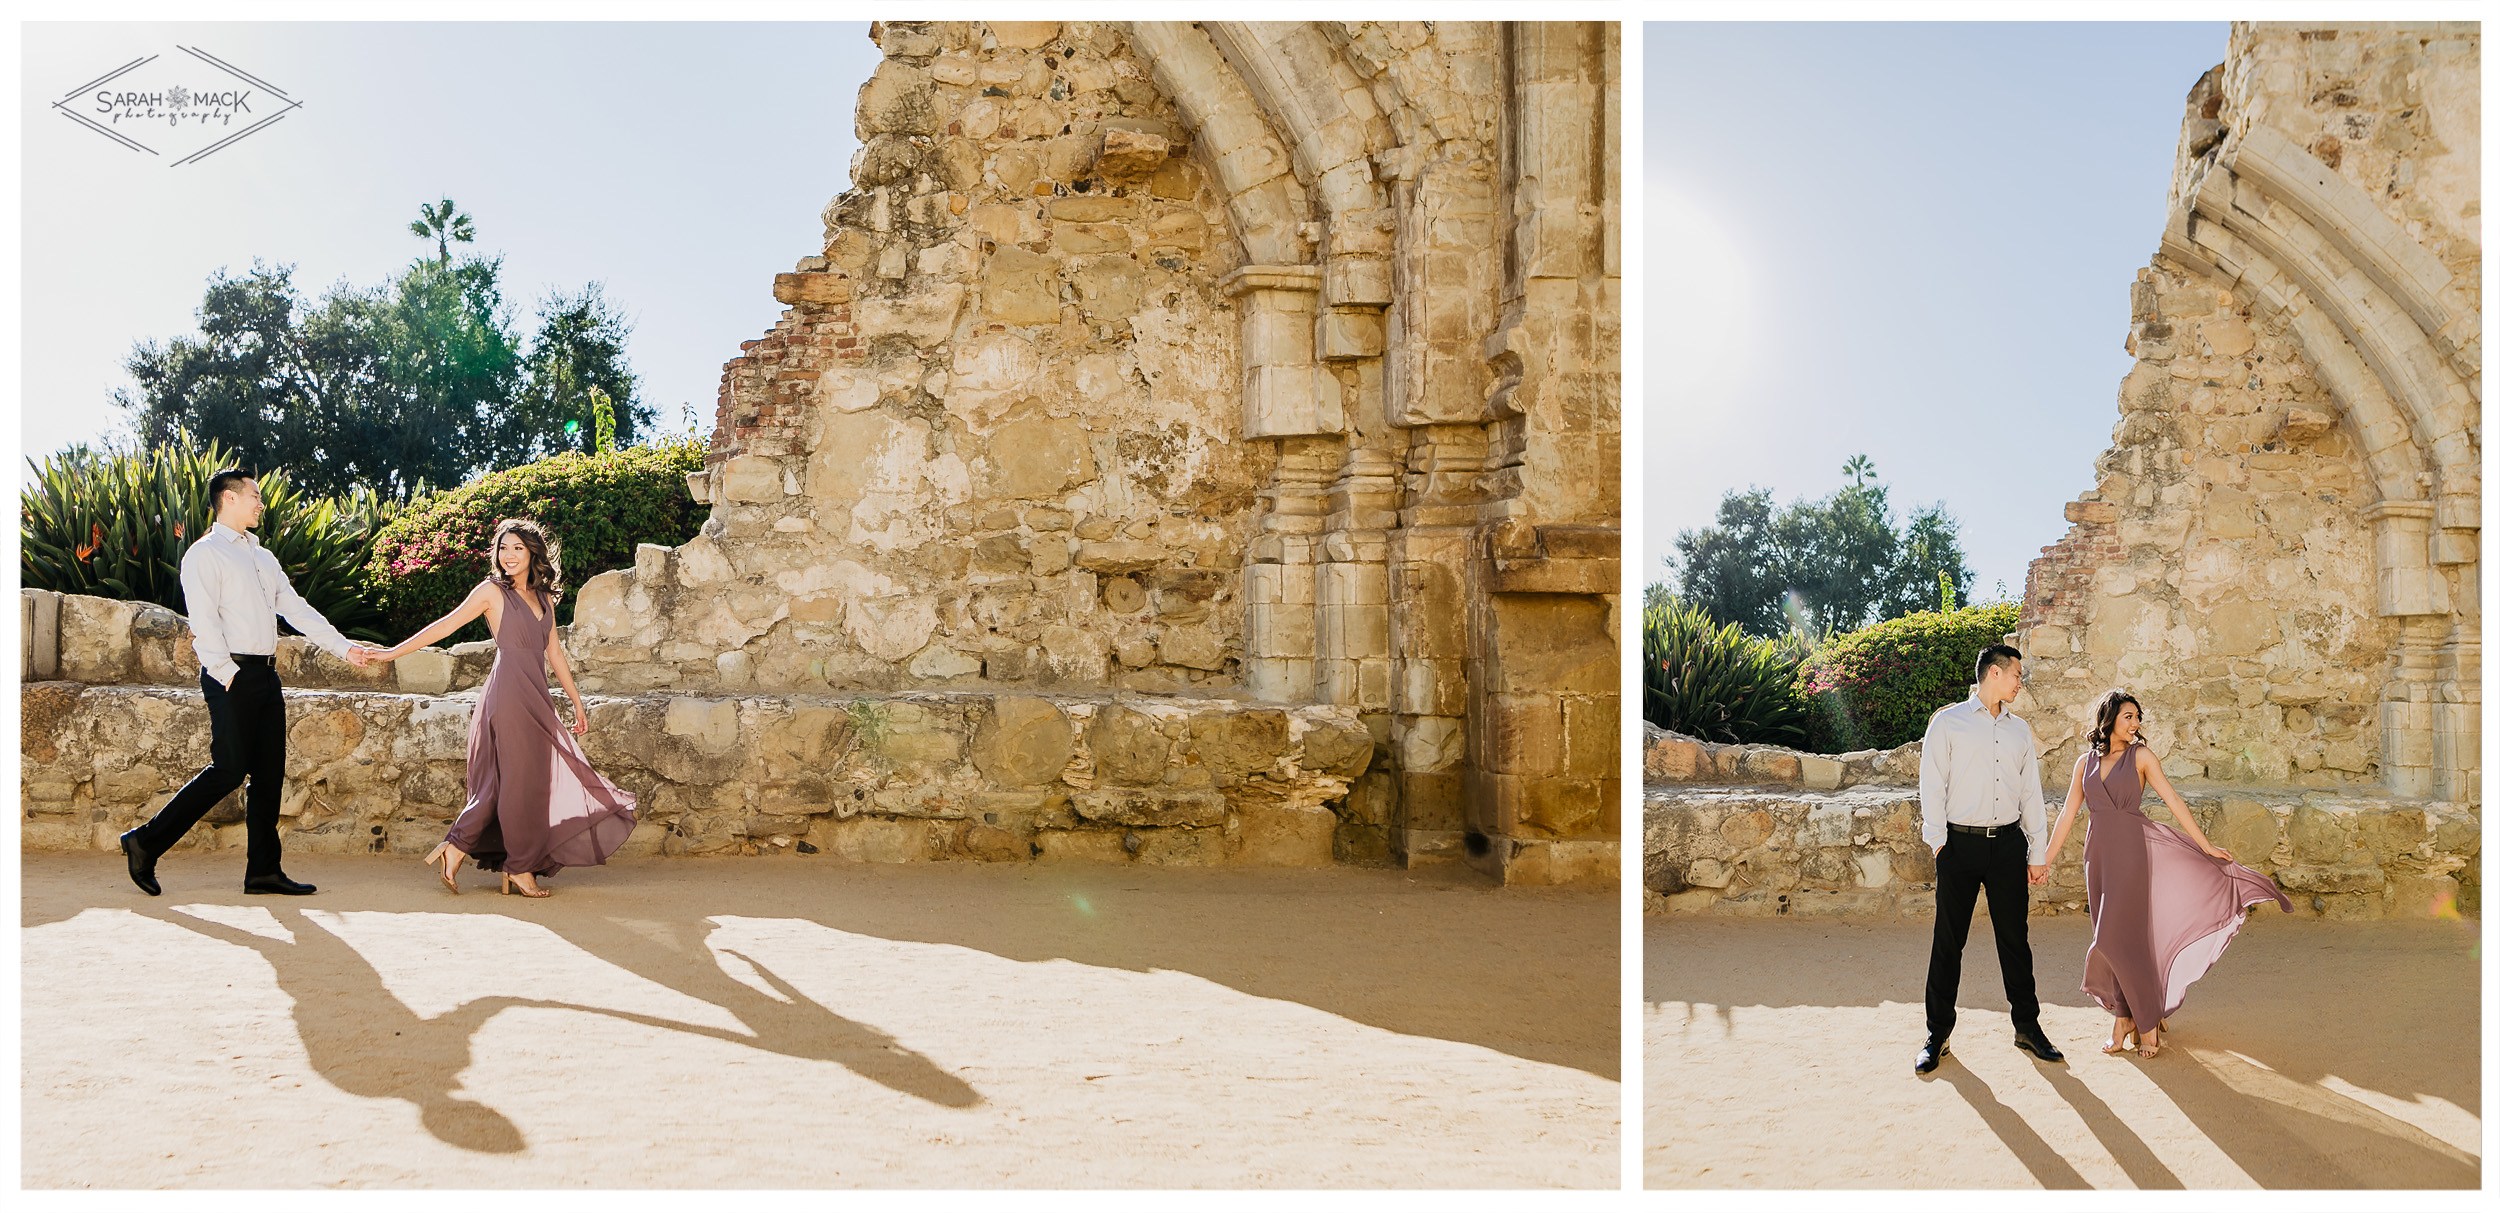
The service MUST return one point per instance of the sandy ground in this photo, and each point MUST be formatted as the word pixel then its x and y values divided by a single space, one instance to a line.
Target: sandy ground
pixel 788 1023
pixel 2316 1055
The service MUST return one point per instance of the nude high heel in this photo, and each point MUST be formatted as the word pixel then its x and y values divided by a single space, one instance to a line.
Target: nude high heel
pixel 525 890
pixel 2120 1042
pixel 2151 1042
pixel 446 870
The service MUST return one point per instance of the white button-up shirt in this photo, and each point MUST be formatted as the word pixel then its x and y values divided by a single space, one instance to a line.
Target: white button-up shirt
pixel 1977 769
pixel 235 592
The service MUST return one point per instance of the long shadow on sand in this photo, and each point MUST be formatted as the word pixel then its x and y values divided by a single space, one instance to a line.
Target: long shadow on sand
pixel 362 1039
pixel 2251 1057
pixel 1438 953
pixel 1535 976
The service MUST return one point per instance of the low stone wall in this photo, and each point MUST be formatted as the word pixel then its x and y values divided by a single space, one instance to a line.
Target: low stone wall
pixel 108 642
pixel 886 778
pixel 1672 758
pixel 1751 850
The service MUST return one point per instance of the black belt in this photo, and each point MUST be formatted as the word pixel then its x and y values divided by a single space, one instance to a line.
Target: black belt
pixel 254 658
pixel 2011 827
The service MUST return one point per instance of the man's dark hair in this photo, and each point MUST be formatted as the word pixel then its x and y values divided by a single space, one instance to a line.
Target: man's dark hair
pixel 1991 657
pixel 222 481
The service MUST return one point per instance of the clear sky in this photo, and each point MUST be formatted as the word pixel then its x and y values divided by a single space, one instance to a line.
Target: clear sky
pixel 681 165
pixel 1911 240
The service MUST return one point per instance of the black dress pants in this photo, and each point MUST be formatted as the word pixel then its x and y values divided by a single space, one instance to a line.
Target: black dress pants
pixel 1968 864
pixel 247 742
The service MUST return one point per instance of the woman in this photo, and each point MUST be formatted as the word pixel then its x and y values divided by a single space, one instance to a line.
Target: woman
pixel 535 805
pixel 2164 901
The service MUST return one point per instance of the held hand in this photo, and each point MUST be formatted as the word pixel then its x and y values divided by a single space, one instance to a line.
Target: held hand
pixel 359 656
pixel 2039 873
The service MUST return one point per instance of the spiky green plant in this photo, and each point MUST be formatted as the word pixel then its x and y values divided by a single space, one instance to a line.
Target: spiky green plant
pixel 1712 681
pixel 115 524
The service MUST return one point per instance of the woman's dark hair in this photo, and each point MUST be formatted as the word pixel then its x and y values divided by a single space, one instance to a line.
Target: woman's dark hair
pixel 2105 718
pixel 546 570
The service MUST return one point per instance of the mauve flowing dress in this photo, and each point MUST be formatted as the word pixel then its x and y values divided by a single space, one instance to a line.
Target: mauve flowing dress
pixel 2162 910
pixel 534 803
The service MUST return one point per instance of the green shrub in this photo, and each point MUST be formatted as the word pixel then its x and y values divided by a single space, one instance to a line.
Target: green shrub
pixel 1713 681
pixel 596 507
pixel 1874 688
pixel 115 524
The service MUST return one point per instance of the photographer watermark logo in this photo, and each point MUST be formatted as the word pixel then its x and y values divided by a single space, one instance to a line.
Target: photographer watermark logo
pixel 184 107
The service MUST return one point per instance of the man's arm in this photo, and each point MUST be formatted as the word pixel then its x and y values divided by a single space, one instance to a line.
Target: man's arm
pixel 293 608
pixel 208 629
pixel 2035 803
pixel 1934 752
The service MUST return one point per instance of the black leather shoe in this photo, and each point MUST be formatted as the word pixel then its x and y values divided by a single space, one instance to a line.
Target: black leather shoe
pixel 142 865
pixel 275 882
pixel 1931 1055
pixel 2029 1040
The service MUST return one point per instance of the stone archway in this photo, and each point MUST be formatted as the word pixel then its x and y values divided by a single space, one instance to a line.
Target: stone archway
pixel 2309 358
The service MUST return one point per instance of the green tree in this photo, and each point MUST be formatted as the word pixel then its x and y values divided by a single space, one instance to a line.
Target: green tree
pixel 1818 567
pixel 1931 549
pixel 1736 571
pixel 416 381
pixel 443 224
pixel 576 356
pixel 1840 555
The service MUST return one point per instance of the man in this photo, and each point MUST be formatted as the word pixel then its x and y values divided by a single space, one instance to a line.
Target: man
pixel 235 591
pixel 1981 810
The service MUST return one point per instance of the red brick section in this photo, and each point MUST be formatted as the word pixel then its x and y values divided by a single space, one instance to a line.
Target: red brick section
pixel 765 390
pixel 2057 589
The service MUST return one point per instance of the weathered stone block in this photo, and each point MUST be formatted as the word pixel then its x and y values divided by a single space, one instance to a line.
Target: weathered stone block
pixel 1149 807
pixel 1023 742
pixel 1080 846
pixel 1767 765
pixel 1131 155
pixel 1235 744
pixel 2331 878
pixel 750 478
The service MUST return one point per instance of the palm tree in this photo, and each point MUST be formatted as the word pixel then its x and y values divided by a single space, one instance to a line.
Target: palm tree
pixel 1859 469
pixel 445 224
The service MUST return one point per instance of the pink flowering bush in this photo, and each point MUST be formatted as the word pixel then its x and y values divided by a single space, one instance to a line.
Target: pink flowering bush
pixel 596 508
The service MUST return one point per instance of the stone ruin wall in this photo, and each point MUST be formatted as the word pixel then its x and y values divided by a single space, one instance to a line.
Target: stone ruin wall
pixel 982 446
pixel 1275 361
pixel 2281 554
pixel 1165 401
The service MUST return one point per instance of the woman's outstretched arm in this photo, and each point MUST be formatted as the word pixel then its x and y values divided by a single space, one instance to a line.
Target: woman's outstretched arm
pixel 470 608
pixel 2065 820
